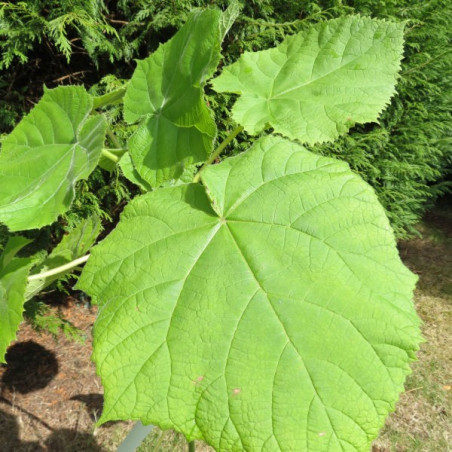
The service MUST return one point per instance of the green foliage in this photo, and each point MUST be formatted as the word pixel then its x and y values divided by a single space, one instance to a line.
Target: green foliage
pixel 74 245
pixel 166 94
pixel 405 157
pixel 40 317
pixel 265 308
pixel 13 281
pixel 266 232
pixel 323 104
pixel 26 23
pixel 52 148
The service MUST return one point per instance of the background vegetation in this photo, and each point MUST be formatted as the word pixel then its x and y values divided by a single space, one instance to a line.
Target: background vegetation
pixel 406 157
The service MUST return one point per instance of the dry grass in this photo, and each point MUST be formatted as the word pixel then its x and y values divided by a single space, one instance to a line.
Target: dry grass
pixel 422 421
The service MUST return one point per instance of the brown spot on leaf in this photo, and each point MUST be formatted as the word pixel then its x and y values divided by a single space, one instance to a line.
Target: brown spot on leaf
pixel 199 379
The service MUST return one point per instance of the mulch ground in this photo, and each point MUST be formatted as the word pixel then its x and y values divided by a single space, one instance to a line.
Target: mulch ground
pixel 50 395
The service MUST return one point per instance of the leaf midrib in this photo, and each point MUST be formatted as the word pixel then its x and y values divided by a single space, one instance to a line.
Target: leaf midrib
pixel 289 339
pixel 313 81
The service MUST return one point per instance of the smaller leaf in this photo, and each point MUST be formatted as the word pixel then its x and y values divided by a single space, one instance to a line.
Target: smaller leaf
pixel 14 245
pixel 229 16
pixel 13 280
pixel 130 172
pixel 52 148
pixel 317 84
pixel 166 95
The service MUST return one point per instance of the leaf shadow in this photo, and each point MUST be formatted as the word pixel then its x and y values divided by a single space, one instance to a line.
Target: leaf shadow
pixel 59 440
pixel 93 404
pixel 30 367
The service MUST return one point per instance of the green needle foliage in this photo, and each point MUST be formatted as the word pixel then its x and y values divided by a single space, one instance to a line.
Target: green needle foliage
pixel 405 156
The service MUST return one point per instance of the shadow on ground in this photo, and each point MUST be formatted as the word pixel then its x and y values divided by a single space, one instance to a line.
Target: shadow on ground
pixel 30 367
pixel 59 441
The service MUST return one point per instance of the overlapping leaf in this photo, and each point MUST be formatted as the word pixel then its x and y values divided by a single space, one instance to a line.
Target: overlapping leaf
pixel 13 280
pixel 317 84
pixel 166 94
pixel 52 148
pixel 272 313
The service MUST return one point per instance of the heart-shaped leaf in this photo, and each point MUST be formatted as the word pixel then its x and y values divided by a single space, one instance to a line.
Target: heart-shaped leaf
pixel 13 281
pixel 52 148
pixel 271 312
pixel 166 94
pixel 318 83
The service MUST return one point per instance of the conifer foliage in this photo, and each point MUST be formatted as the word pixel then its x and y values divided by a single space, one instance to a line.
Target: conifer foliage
pixel 405 156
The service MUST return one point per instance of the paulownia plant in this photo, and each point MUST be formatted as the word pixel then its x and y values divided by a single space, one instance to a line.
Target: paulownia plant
pixel 261 306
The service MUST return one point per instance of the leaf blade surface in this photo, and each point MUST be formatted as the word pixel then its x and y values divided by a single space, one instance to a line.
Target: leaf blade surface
pixel 13 280
pixel 317 84
pixel 52 148
pixel 166 95
pixel 245 317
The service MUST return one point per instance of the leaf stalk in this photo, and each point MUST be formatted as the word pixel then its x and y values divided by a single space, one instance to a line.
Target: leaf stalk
pixel 115 97
pixel 60 269
pixel 114 139
pixel 218 151
pixel 109 155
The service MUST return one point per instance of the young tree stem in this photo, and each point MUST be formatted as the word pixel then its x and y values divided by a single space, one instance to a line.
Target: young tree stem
pixel 218 151
pixel 191 446
pixel 61 269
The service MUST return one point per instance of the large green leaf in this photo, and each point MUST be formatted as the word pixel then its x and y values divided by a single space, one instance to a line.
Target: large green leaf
pixel 13 280
pixel 73 245
pixel 166 95
pixel 272 314
pixel 52 148
pixel 317 84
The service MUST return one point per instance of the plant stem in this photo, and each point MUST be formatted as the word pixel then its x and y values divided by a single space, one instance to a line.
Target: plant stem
pixel 60 269
pixel 110 155
pixel 114 139
pixel 191 446
pixel 218 151
pixel 109 99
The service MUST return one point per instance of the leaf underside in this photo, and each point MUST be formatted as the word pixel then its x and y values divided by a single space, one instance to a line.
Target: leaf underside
pixel 317 84
pixel 268 311
pixel 13 280
pixel 166 94
pixel 52 148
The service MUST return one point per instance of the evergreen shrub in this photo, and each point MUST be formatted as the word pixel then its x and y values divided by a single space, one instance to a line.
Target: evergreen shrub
pixel 405 157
